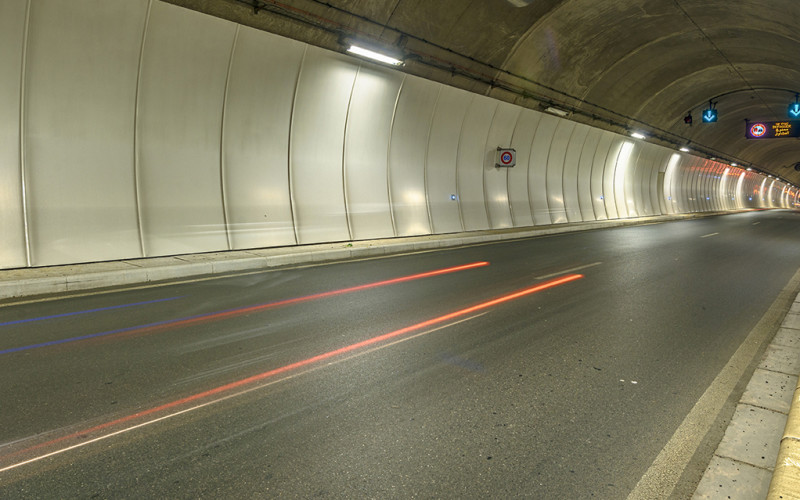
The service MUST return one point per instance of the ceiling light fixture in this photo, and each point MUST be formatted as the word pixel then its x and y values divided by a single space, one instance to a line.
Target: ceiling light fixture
pixel 375 56
pixel 684 149
pixel 638 135
pixel 556 111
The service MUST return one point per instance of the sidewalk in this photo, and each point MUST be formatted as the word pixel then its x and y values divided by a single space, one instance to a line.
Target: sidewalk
pixel 26 282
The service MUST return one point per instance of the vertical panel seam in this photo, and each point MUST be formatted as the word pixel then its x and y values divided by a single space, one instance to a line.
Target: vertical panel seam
pixel 389 155
pixel 564 172
pixel 578 177
pixel 22 169
pixel 603 184
pixel 547 169
pixel 483 167
pixel 136 173
pixel 458 163
pixel 348 215
pixel 222 185
pixel 425 166
pixel 289 148
pixel 508 190
pixel 528 171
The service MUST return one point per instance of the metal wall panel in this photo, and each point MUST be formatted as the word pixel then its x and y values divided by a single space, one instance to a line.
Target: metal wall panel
pixel 703 194
pixel 518 195
pixel 572 161
pixel 609 176
pixel 317 146
pixel 537 173
pixel 657 182
pixel 694 186
pixel 623 172
pixel 441 161
pixel 641 178
pixel 588 151
pixel 672 182
pixel 555 171
pixel 184 72
pixel 495 179
pixel 471 157
pixel 407 154
pixel 599 162
pixel 684 174
pixel 81 68
pixel 13 21
pixel 255 139
pixel 366 152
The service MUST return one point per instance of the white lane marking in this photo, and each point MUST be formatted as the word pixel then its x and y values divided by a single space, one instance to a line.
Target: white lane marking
pixel 707 235
pixel 754 223
pixel 663 475
pixel 229 396
pixel 567 271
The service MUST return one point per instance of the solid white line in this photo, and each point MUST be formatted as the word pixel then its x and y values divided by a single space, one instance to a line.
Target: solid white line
pixel 229 396
pixel 707 235
pixel 567 271
pixel 664 473
pixel 754 223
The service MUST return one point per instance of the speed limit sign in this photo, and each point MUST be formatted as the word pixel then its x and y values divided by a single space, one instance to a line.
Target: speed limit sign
pixel 506 157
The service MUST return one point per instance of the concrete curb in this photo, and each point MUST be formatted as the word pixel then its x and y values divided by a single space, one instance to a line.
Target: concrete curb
pixel 27 282
pixel 785 482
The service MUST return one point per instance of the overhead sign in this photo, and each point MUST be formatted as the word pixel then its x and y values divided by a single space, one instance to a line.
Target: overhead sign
pixel 794 110
pixel 709 115
pixel 772 130
pixel 506 157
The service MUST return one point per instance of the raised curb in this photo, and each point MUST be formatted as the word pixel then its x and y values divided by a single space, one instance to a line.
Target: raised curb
pixel 17 283
pixel 785 482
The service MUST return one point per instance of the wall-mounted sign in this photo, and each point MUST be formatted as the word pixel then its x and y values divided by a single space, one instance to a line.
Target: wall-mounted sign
pixel 772 130
pixel 506 157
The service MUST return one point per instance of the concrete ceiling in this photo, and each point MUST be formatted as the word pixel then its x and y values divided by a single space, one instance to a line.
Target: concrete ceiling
pixel 621 65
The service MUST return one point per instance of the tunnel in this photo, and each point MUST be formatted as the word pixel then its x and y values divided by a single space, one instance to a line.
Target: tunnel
pixel 528 143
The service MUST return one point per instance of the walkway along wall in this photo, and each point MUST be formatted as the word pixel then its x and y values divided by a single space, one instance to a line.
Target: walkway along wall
pixel 136 129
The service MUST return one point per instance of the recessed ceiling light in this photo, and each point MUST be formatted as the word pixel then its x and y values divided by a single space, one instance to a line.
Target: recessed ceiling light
pixel 375 56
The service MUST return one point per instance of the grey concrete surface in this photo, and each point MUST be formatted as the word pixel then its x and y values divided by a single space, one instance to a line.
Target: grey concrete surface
pixel 569 393
pixel 745 460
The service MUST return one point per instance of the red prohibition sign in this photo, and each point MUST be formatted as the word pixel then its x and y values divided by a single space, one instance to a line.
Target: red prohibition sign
pixel 505 158
pixel 758 130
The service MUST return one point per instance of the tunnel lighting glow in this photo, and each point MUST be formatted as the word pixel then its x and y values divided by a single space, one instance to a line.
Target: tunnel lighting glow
pixel 375 56
pixel 749 169
pixel 734 164
pixel 684 149
pixel 259 380
pixel 556 111
pixel 638 135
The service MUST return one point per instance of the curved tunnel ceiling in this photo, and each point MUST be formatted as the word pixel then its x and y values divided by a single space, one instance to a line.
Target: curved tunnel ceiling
pixel 616 64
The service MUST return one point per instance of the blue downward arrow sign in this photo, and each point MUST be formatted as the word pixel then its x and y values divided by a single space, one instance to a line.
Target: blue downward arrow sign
pixel 794 110
pixel 709 115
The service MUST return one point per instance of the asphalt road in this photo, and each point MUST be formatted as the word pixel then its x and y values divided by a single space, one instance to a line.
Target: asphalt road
pixel 425 387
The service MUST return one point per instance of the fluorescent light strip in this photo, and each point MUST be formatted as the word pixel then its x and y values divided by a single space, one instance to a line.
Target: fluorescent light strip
pixel 376 56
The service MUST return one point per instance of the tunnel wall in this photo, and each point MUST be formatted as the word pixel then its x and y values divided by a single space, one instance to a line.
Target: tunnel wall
pixel 136 129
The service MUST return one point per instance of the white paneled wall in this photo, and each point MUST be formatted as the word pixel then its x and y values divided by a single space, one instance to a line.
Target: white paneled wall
pixel 135 128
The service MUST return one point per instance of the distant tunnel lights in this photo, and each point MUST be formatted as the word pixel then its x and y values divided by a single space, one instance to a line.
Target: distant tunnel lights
pixel 684 149
pixel 375 56
pixel 637 135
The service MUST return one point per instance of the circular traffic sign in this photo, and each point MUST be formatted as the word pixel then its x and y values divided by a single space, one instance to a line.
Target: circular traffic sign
pixel 506 158
pixel 758 130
